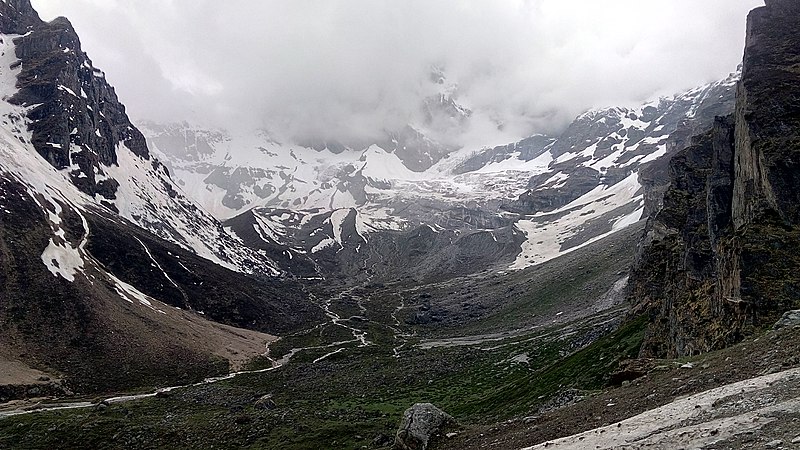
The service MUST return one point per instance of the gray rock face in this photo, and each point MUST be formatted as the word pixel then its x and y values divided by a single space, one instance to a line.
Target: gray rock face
pixel 76 120
pixel 768 117
pixel 788 320
pixel 602 147
pixel 417 151
pixel 547 198
pixel 420 423
pixel 528 149
pixel 720 260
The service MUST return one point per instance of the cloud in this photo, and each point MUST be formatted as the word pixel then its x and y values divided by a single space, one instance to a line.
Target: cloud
pixel 349 69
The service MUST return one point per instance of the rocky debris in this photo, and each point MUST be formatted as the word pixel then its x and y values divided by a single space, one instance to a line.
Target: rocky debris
pixel 788 320
pixel 48 388
pixel 382 440
pixel 420 424
pixel 265 402
pixel 561 399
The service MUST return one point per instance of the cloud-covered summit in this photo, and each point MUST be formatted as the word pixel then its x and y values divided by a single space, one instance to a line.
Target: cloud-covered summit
pixel 349 69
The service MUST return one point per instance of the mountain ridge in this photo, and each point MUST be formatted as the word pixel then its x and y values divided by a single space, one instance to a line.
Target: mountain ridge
pixel 109 274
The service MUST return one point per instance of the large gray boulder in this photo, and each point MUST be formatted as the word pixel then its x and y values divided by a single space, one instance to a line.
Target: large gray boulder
pixel 420 422
pixel 788 320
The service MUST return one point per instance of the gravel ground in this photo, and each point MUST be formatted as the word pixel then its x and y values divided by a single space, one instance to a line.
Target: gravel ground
pixel 701 413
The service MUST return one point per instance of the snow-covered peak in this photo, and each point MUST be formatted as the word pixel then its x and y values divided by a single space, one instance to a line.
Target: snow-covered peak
pixel 410 180
pixel 78 149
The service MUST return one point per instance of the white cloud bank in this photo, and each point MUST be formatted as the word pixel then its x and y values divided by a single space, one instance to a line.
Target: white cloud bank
pixel 350 68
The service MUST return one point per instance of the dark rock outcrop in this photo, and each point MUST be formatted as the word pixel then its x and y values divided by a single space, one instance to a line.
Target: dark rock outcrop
pixel 76 119
pixel 547 198
pixel 84 291
pixel 417 151
pixel 788 320
pixel 719 259
pixel 265 402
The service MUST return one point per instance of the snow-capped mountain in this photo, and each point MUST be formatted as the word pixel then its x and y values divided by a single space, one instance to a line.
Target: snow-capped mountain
pixel 230 172
pixel 106 267
pixel 551 193
pixel 59 104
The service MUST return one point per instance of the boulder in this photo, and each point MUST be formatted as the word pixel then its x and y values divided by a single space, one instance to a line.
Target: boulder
pixel 420 423
pixel 788 320
pixel 163 394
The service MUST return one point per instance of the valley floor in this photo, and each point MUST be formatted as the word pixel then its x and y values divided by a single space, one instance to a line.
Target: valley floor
pixel 531 363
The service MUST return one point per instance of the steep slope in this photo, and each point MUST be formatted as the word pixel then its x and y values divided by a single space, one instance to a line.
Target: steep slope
pixel 78 125
pixel 602 147
pixel 719 260
pixel 108 275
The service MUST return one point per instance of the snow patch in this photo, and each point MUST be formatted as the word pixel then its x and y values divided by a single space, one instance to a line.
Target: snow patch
pixel 544 237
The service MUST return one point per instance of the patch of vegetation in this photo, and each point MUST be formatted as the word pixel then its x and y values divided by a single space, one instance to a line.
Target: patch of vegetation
pixel 587 369
pixel 317 407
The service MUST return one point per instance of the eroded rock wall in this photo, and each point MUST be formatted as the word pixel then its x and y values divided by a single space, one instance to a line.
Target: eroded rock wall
pixel 719 260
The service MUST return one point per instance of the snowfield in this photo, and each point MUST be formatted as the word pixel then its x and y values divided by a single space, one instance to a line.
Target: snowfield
pixel 698 420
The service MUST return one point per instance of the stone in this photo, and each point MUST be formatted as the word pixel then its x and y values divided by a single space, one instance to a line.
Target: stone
pixel 265 402
pixel 773 444
pixel 382 440
pixel 102 406
pixel 631 369
pixel 788 320
pixel 420 423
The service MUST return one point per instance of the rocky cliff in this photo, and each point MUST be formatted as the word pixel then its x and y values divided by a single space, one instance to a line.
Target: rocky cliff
pixel 719 259
pixel 76 120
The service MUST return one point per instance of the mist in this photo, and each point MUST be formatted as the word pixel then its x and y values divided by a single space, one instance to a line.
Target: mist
pixel 350 70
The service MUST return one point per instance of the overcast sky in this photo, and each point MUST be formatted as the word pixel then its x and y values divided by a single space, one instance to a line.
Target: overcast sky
pixel 347 68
